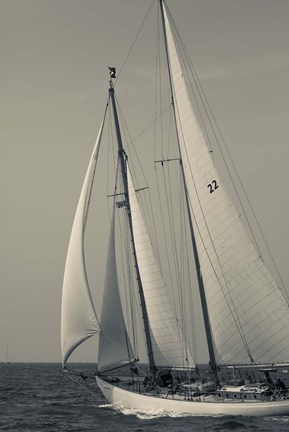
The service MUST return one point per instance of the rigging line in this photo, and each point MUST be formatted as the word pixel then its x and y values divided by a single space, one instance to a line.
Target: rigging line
pixel 174 248
pixel 134 41
pixel 157 117
pixel 125 128
pixel 162 152
pixel 171 207
pixel 135 311
pixel 117 168
pixel 170 218
pixel 126 131
pixel 170 213
pixel 153 229
pixel 160 201
pixel 131 291
pixel 156 82
pixel 132 140
pixel 160 90
pixel 211 113
pixel 145 202
pixel 75 380
pixel 183 250
pixel 186 279
pixel 109 146
pixel 179 265
pixel 115 344
pixel 264 342
pixel 190 284
pixel 280 352
pixel 115 186
pixel 87 204
pixel 125 264
pixel 264 332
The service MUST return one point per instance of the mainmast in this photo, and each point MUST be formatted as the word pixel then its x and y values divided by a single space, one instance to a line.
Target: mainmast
pixel 123 160
pixel 209 337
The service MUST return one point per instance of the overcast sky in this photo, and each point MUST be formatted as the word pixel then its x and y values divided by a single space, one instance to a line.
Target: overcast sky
pixel 54 57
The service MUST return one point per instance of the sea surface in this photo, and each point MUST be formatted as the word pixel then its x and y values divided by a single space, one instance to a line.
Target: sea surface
pixel 38 397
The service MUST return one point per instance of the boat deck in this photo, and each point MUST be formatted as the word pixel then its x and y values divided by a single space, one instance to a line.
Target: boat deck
pixel 186 392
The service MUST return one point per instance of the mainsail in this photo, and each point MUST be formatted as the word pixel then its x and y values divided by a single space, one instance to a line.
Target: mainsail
pixel 78 317
pixel 248 314
pixel 168 342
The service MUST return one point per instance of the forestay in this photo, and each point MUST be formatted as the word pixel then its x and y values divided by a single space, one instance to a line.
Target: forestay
pixel 248 315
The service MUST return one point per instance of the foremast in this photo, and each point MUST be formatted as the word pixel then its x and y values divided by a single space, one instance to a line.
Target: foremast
pixel 123 162
pixel 208 331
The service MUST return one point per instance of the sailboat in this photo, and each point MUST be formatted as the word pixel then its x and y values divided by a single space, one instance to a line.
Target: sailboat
pixel 245 312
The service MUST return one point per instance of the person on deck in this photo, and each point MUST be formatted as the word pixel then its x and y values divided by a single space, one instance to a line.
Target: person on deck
pixel 267 379
pixel 280 385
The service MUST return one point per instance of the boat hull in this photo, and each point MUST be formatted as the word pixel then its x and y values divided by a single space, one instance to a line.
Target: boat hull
pixel 124 399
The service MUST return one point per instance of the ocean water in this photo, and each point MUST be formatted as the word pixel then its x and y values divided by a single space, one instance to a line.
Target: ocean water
pixel 38 397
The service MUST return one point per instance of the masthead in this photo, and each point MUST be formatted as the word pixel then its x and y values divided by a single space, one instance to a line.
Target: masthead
pixel 112 72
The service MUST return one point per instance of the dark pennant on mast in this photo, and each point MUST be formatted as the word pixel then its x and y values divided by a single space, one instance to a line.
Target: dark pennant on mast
pixel 209 337
pixel 122 158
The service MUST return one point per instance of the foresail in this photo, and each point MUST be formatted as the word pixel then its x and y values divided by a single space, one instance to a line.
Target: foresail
pixel 168 342
pixel 249 316
pixel 78 317
pixel 114 345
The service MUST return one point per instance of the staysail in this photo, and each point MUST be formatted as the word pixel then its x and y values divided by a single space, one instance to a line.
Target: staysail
pixel 249 316
pixel 168 342
pixel 78 317
pixel 114 345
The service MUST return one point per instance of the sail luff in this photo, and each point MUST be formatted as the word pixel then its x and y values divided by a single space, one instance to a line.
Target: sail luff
pixel 78 317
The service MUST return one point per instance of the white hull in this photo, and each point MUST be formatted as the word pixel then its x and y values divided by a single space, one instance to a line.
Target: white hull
pixel 124 399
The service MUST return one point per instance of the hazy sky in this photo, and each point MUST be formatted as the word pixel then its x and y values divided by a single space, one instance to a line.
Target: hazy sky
pixel 54 58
